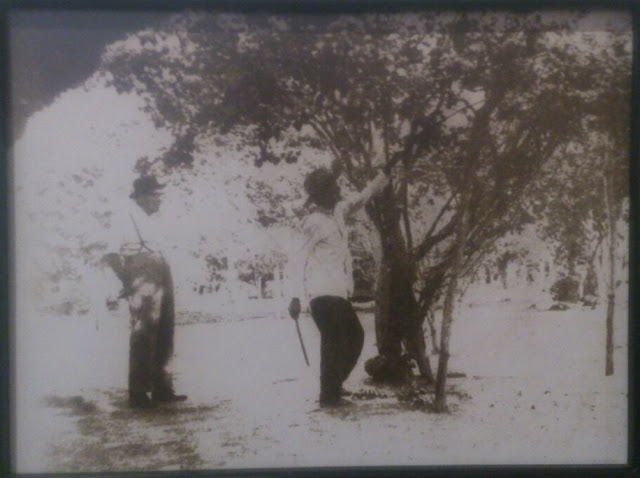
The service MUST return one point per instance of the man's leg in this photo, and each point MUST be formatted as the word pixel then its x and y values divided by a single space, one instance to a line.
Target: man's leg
pixel 139 368
pixel 352 339
pixel 162 386
pixel 323 313
pixel 162 390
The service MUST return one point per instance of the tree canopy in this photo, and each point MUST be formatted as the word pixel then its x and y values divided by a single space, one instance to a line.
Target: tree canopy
pixel 479 110
pixel 467 100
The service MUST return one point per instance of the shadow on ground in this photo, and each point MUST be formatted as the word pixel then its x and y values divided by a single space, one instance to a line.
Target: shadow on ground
pixel 111 436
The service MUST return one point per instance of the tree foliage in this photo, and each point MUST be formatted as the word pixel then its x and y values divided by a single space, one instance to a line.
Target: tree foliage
pixel 595 164
pixel 474 107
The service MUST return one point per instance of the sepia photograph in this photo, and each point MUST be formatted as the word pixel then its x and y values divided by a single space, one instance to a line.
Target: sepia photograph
pixel 266 240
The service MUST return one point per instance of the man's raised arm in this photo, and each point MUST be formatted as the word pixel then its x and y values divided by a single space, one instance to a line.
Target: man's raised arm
pixel 373 188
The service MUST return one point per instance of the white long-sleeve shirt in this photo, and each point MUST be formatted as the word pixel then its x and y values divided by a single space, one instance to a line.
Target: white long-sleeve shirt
pixel 321 263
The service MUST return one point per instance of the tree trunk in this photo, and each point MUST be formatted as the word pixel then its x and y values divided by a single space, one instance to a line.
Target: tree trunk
pixel 611 284
pixel 398 323
pixel 462 229
pixel 413 335
pixel 609 351
pixel 388 336
pixel 431 320
pixel 397 316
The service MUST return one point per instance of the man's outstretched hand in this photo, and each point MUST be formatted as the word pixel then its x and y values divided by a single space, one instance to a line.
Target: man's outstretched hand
pixel 294 308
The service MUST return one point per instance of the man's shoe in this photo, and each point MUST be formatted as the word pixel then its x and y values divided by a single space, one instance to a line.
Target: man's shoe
pixel 169 397
pixel 140 400
pixel 341 402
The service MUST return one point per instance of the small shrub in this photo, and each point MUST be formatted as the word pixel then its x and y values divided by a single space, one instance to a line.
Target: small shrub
pixel 566 289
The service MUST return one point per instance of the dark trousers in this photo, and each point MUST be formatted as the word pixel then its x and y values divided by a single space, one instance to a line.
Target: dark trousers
pixel 150 348
pixel 146 371
pixel 341 340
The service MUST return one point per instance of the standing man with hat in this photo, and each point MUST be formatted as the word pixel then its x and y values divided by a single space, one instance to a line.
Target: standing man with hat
pixel 147 286
pixel 321 271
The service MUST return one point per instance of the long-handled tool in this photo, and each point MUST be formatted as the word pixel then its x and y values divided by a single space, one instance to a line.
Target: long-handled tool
pixel 304 350
pixel 142 241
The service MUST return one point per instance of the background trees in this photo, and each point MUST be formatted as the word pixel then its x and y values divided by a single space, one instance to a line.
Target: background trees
pixel 479 111
pixel 587 189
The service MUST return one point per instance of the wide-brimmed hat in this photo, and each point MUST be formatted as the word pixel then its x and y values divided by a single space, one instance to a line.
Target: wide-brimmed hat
pixel 144 186
pixel 317 183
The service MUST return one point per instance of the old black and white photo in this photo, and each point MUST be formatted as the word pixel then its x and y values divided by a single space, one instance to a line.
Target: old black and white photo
pixel 439 200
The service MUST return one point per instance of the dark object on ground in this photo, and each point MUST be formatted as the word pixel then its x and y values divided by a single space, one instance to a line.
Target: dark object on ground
pixel 559 306
pixel 383 369
pixel 148 288
pixel 368 395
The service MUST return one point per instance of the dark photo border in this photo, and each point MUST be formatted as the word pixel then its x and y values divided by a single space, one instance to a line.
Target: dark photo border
pixel 319 6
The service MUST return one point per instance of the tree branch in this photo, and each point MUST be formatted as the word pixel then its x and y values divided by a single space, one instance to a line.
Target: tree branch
pixel 430 240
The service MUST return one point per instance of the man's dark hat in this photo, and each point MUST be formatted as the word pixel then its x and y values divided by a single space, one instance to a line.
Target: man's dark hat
pixel 144 186
pixel 317 183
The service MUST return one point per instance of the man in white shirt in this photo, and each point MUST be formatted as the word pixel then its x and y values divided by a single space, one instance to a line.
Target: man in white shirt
pixel 321 271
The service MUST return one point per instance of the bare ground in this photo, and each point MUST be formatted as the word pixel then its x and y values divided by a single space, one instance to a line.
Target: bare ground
pixel 253 402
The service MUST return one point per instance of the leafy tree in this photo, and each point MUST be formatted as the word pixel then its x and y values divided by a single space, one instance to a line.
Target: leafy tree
pixel 472 107
pixel 585 201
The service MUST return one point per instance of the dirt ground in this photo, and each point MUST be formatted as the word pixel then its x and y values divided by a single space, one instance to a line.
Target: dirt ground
pixel 519 393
